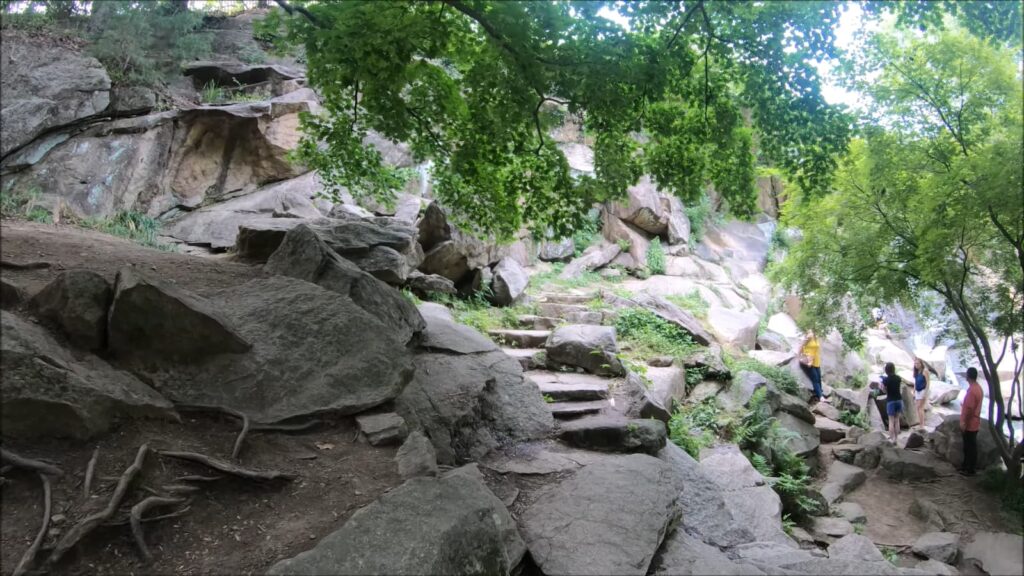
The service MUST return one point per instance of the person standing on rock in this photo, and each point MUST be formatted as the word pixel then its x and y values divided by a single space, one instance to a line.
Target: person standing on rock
pixel 970 422
pixel 810 361
pixel 921 385
pixel 893 400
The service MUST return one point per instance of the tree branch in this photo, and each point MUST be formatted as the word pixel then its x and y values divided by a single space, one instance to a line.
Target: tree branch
pixel 291 10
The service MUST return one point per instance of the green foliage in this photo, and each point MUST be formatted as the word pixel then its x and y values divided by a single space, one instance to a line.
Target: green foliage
pixel 692 302
pixel 17 204
pixel 133 226
pixel 788 524
pixel 699 214
pixel 548 398
pixel 890 554
pixel 469 83
pixel 649 335
pixel 411 297
pixel 694 376
pixel 693 426
pixel 623 244
pixel 586 233
pixel 858 419
pixel 142 43
pixel 761 464
pixel 39 214
pixel 928 201
pixel 779 376
pixel 656 257
pixel 858 529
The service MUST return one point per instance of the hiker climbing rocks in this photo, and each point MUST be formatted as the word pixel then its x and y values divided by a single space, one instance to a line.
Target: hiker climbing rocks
pixel 810 361
pixel 970 422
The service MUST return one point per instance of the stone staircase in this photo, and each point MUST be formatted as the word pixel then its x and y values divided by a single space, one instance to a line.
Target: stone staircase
pixel 569 395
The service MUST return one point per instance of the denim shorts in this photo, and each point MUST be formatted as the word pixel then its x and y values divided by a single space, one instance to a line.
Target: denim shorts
pixel 893 408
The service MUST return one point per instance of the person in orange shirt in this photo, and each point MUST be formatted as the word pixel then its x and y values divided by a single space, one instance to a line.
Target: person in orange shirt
pixel 970 422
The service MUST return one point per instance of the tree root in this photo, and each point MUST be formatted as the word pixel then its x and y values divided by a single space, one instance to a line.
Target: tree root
pixel 195 478
pixel 136 521
pixel 237 448
pixel 227 467
pixel 126 520
pixel 30 555
pixel 87 525
pixel 28 463
pixel 90 471
pixel 24 265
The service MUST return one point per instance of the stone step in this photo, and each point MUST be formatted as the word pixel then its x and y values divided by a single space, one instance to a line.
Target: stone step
pixel 568 386
pixel 565 297
pixel 525 357
pixel 574 409
pixel 533 322
pixel 558 310
pixel 520 338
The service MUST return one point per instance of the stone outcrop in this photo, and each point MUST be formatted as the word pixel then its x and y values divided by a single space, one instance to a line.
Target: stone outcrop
pixel 592 258
pixel 45 86
pixel 382 429
pixel 467 396
pixel 76 302
pixel 46 391
pixel 509 282
pixel 560 251
pixel 416 457
pixel 304 255
pixel 448 525
pixel 609 434
pixel 735 329
pixel 948 443
pixel 941 546
pixel 752 503
pixel 580 525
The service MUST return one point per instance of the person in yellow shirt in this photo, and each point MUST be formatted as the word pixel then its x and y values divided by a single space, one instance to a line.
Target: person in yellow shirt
pixel 810 361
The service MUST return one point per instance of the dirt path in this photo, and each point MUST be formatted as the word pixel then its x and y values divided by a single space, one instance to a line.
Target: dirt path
pixel 233 526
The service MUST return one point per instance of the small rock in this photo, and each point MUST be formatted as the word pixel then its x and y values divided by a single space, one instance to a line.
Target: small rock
pixel 827 410
pixel 660 361
pixel 382 429
pixel 416 457
pixel 855 547
pixel 915 440
pixel 937 568
pixel 851 511
pixel 827 528
pixel 941 546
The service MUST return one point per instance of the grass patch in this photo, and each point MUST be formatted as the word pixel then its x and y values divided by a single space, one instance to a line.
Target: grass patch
pixel 22 204
pixel 780 377
pixel 656 257
pixel 133 226
pixel 477 311
pixel 649 335
pixel 552 280
pixel 692 302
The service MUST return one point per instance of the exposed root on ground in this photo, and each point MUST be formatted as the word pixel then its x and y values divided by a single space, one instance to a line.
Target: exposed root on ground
pixel 24 265
pixel 237 448
pixel 28 463
pixel 29 557
pixel 301 427
pixel 135 519
pixel 90 471
pixel 87 525
pixel 227 467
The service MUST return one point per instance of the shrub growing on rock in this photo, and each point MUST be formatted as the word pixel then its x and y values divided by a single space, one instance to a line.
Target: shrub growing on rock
pixel 656 257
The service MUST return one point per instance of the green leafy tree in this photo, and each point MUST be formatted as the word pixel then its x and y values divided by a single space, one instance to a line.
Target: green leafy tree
pixel 467 82
pixel 930 200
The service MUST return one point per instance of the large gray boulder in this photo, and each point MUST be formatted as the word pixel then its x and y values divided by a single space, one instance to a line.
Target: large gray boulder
pixel 997 552
pixel 76 302
pixel 707 506
pixel 751 501
pixel 678 228
pixel 608 518
pixel 708 359
pixel 448 525
pixel 594 257
pixel 643 207
pixel 560 251
pixel 45 85
pixel 47 391
pixel 304 255
pixel 941 546
pixel 805 439
pixel 587 346
pixel 416 457
pixel 153 323
pixel 427 284
pixel 909 465
pixel 509 282
pixel 733 328
pixel 686 555
pixel 386 248
pixel 433 227
pixel 313 351
pixel 948 443
pixel 11 295
pixel 468 396
pixel 741 389
pixel 610 434
pixel 841 479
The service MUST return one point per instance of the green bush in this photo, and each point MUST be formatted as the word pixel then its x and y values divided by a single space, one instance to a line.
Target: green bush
pixel 780 377
pixel 130 225
pixel 858 419
pixel 699 214
pixel 142 43
pixel 587 234
pixel 693 427
pixel 656 257
pixel 650 335
pixel 17 204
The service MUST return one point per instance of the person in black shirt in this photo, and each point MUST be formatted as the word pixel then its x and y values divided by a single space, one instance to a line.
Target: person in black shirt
pixel 893 400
